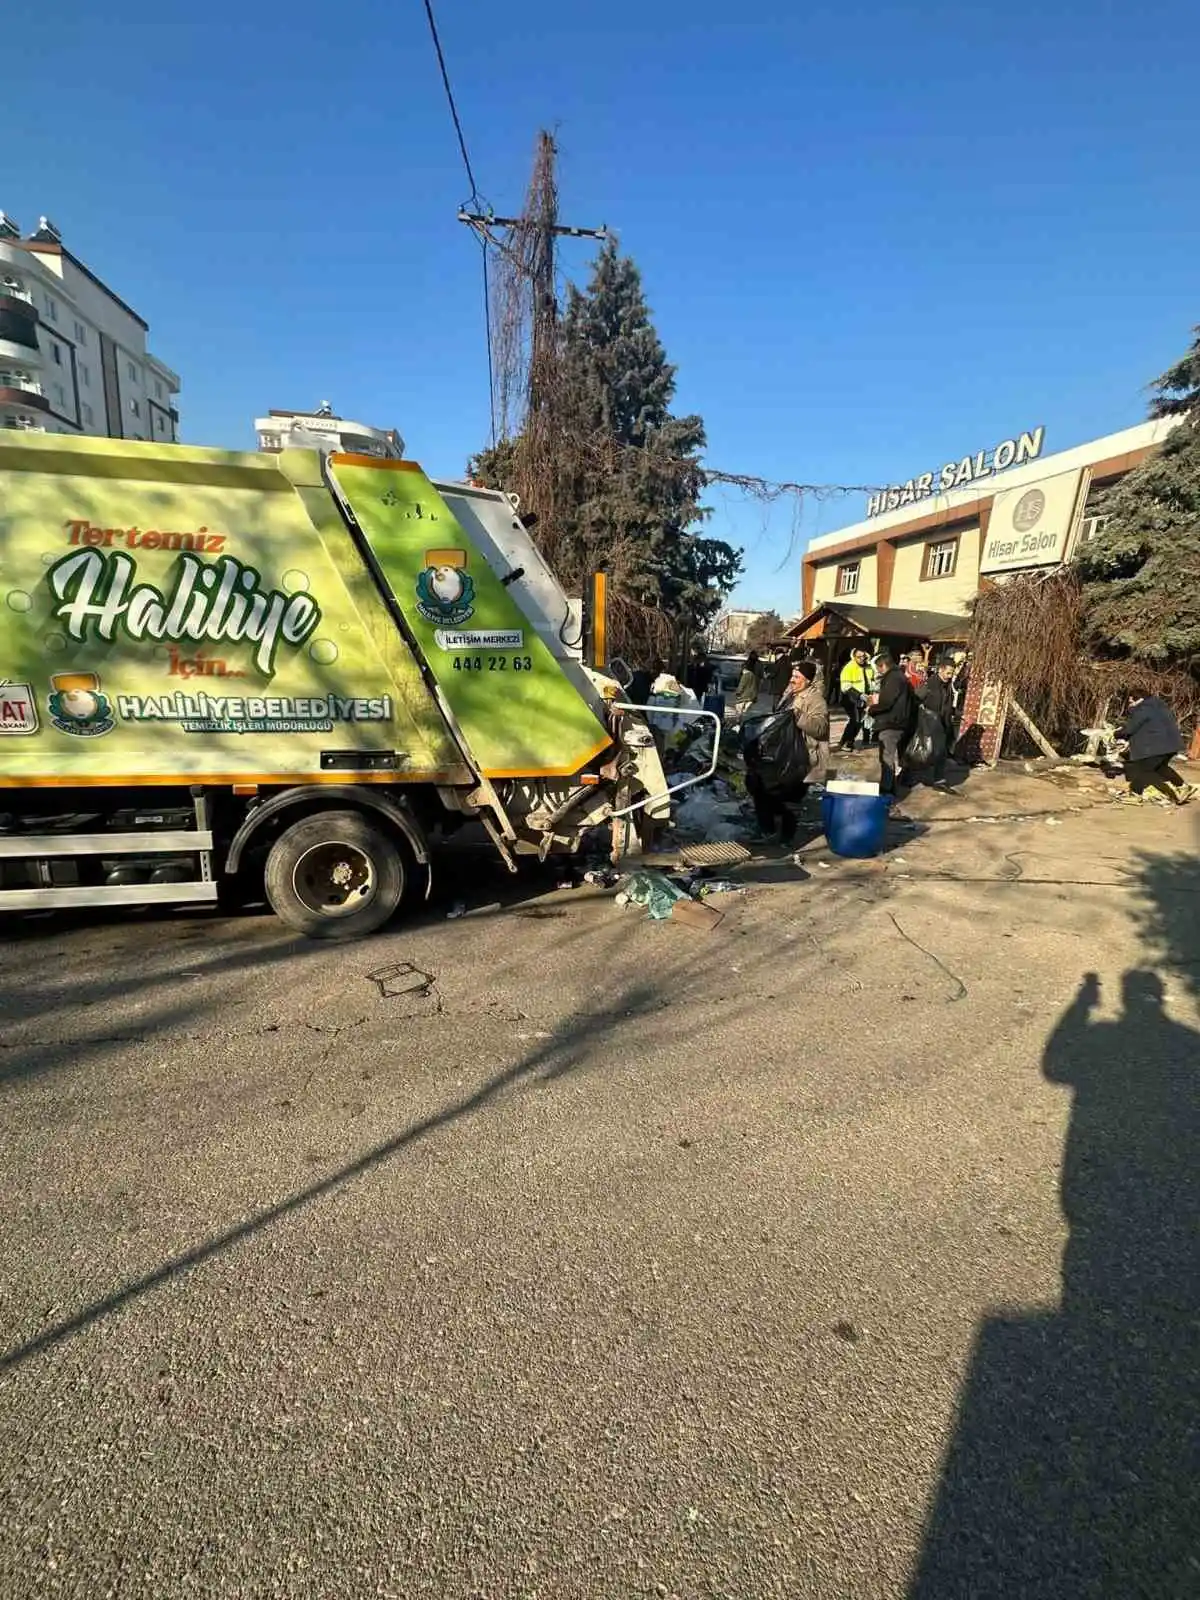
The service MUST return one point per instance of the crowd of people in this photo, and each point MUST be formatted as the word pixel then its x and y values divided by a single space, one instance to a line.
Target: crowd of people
pixel 909 708
pixel 882 697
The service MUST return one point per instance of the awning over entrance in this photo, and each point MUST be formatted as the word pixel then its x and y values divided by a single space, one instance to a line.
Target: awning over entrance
pixel 836 619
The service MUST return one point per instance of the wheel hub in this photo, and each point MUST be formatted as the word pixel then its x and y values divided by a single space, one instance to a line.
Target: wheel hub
pixel 334 879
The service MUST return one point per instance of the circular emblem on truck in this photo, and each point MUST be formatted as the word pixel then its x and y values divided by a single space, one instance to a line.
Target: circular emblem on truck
pixel 77 705
pixel 1029 510
pixel 445 592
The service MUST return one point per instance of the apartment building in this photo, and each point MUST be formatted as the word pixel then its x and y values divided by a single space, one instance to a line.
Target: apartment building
pixel 732 629
pixel 73 355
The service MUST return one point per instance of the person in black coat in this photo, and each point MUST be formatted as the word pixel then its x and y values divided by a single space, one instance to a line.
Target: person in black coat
pixel 893 712
pixel 1153 737
pixel 938 697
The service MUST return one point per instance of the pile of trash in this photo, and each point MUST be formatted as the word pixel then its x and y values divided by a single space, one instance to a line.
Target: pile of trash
pixel 679 895
pixel 713 810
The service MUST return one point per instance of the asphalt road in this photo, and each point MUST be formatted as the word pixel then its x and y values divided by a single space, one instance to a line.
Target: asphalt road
pixel 555 1253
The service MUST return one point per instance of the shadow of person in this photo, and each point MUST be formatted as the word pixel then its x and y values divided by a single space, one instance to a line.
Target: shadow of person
pixel 1075 1468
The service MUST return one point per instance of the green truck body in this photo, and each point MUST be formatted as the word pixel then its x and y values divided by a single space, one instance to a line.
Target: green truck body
pixel 223 648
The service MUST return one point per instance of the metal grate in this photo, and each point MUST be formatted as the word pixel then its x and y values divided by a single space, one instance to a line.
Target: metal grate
pixel 713 855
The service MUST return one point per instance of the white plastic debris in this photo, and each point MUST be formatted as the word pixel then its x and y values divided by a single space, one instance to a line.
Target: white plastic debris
pixel 701 815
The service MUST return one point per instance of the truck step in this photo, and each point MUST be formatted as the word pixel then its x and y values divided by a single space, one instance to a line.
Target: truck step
pixel 128 894
pixel 147 843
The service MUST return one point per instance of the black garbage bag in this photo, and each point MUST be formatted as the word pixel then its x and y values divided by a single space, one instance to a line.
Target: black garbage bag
pixel 776 753
pixel 928 743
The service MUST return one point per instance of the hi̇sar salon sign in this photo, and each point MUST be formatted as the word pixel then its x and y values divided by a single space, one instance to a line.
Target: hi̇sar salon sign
pixel 959 474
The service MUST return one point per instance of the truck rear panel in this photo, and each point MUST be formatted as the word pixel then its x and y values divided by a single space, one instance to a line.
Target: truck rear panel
pixel 512 701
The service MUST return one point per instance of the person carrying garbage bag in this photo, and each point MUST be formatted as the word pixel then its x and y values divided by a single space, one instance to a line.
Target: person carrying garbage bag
pixel 894 709
pixel 788 753
pixel 931 743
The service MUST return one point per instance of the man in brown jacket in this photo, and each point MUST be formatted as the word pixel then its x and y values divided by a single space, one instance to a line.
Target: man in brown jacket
pixel 806 700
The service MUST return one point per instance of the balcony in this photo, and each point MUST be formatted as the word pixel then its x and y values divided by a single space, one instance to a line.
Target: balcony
pixel 18 320
pixel 27 398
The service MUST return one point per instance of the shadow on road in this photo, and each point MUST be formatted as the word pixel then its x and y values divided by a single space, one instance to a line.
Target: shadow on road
pixel 643 999
pixel 1075 1466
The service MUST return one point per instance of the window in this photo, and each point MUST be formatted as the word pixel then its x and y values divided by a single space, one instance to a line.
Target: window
pixel 941 557
pixel 847 577
pixel 16 287
pixel 80 333
pixel 88 417
pixel 135 407
pixel 132 371
pixel 60 397
pixel 15 379
pixel 157 390
pixel 52 308
pixel 19 421
pixel 85 376
pixel 57 351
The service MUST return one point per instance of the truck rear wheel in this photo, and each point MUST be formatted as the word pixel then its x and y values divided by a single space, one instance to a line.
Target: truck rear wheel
pixel 334 876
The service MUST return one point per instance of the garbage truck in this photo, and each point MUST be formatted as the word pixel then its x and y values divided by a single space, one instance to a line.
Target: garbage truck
pixel 234 677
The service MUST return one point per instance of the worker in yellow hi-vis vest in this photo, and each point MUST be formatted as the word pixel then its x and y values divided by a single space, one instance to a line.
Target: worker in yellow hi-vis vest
pixel 857 681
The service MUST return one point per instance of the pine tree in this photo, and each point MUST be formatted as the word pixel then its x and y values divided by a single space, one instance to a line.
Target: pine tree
pixel 1141 572
pixel 626 479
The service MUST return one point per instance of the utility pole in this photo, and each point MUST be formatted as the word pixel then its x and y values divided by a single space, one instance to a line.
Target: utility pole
pixel 530 250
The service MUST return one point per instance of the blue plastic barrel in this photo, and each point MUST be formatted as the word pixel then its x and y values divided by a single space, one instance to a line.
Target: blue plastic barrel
pixel 855 824
pixel 714 702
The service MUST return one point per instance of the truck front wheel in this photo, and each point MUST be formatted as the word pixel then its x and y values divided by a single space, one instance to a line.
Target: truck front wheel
pixel 334 876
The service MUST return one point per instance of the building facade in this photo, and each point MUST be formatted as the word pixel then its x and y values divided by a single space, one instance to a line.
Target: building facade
pixel 928 545
pixel 932 551
pixel 73 355
pixel 324 429
pixel 731 630
pixel 906 574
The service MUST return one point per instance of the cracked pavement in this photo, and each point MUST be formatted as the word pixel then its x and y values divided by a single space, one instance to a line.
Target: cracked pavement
pixel 557 1253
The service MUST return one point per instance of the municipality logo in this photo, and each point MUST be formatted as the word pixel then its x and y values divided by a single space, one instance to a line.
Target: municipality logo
pixel 78 707
pixel 445 591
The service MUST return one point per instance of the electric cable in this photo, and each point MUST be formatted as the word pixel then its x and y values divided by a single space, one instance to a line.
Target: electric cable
pixel 474 200
pixel 462 142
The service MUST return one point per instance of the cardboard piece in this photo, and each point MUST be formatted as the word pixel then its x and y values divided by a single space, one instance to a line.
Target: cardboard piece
pixel 701 917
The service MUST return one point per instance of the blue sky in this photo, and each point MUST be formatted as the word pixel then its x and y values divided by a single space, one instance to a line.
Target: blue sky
pixel 873 236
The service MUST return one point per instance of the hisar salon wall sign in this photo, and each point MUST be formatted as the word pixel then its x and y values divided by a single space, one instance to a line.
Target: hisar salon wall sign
pixel 960 474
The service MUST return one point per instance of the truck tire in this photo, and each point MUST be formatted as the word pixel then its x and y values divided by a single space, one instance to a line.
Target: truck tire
pixel 334 876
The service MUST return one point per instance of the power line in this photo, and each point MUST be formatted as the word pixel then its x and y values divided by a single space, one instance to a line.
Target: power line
pixel 462 143
pixel 475 199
